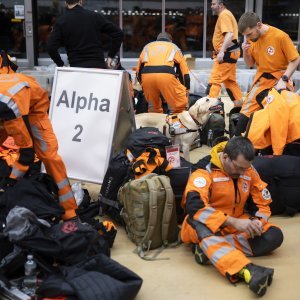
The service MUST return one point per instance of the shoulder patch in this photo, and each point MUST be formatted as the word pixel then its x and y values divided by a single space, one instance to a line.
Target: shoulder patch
pixel 199 182
pixel 266 194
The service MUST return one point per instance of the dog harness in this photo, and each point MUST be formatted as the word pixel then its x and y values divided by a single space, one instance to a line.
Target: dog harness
pixel 176 127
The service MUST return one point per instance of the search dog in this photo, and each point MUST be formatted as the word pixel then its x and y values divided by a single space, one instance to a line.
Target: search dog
pixel 185 128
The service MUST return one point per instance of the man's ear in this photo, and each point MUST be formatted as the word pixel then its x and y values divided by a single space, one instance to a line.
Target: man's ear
pixel 259 25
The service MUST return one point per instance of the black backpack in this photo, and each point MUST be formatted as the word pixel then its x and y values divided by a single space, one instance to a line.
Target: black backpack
pixel 282 174
pixel 118 172
pixel 215 127
pixel 147 137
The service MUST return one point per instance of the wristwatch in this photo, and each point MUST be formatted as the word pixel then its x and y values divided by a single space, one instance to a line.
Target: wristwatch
pixel 285 78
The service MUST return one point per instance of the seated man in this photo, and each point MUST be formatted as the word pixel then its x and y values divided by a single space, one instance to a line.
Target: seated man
pixel 217 222
pixel 23 116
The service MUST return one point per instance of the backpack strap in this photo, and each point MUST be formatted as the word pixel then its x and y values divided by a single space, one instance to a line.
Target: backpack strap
pixel 152 215
pixel 169 206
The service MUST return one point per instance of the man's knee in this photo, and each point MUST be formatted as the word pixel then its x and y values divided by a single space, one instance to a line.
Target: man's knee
pixel 267 242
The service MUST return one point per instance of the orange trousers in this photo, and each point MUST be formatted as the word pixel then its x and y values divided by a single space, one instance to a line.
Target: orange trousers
pixel 228 251
pixel 46 147
pixel 157 85
pixel 250 104
pixel 225 73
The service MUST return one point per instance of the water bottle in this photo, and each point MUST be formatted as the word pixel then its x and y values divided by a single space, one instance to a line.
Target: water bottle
pixel 30 279
pixel 77 192
pixel 209 137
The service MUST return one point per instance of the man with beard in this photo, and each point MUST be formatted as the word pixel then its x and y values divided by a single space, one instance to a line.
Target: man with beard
pixel 276 59
pixel 218 225
pixel 225 55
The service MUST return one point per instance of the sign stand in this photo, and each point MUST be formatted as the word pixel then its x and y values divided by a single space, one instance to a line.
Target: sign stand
pixel 92 116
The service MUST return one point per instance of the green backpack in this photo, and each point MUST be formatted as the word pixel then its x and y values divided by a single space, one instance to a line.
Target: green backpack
pixel 149 213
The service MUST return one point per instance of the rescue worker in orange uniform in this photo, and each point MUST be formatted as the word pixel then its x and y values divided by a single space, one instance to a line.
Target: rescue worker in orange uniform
pixel 276 59
pixel 23 114
pixel 263 129
pixel 164 75
pixel 226 54
pixel 218 225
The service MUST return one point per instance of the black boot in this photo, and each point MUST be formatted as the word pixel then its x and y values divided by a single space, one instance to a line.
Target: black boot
pixel 258 278
pixel 200 256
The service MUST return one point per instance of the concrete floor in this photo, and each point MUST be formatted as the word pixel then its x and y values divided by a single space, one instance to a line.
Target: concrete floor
pixel 180 277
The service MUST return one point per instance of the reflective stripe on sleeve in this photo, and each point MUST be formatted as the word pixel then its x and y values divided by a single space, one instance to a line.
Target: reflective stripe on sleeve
pixel 205 214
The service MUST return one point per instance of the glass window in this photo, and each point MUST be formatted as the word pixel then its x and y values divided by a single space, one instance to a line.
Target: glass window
pixel 185 24
pixel 142 21
pixel 283 15
pixel 236 7
pixel 12 37
pixel 49 10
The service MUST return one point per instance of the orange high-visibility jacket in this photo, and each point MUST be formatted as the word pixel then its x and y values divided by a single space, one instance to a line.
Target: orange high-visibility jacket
pixel 162 57
pixel 23 115
pixel 277 124
pixel 212 196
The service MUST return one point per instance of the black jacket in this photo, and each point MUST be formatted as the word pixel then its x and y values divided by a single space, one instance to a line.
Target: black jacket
pixel 79 31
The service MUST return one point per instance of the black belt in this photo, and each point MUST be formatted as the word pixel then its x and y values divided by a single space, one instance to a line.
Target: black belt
pixel 268 76
pixel 158 69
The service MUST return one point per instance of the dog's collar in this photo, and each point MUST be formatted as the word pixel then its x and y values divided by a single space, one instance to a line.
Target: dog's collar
pixel 195 120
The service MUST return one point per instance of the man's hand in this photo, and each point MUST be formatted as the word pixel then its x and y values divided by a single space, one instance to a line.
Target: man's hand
pixel 281 85
pixel 251 227
pixel 109 61
pixel 245 46
pixel 220 57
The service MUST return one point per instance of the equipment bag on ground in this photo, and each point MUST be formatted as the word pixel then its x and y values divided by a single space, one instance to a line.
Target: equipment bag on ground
pixel 178 180
pixel 146 151
pixel 149 212
pixel 215 127
pixel 282 174
pixel 116 175
pixel 96 278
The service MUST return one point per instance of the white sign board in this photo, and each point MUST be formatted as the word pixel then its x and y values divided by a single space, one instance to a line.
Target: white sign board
pixel 83 112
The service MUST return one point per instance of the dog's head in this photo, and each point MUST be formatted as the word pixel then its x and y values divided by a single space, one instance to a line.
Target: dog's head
pixel 204 106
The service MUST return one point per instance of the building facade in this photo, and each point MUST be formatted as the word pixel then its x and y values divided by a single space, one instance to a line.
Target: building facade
pixel 25 25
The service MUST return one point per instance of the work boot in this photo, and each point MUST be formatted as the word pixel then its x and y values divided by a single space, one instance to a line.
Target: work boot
pixel 258 278
pixel 200 256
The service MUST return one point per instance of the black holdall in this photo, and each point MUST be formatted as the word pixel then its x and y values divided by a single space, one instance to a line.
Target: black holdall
pixel 97 277
pixel 38 193
pixel 178 180
pixel 282 174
